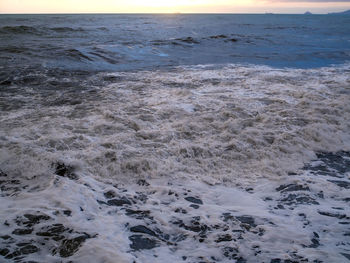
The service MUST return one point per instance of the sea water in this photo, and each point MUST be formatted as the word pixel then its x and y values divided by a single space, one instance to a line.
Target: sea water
pixel 174 138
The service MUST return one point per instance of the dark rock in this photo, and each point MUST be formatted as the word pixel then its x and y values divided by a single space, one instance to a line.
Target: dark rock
pixel 194 200
pixel 70 246
pixel 276 260
pixel 64 170
pixel 110 194
pixel 194 206
pixel 21 232
pixel 142 229
pixel 342 184
pixel 139 242
pixel 119 202
pixel 231 40
pixel 339 216
pixel 292 188
pixel 224 238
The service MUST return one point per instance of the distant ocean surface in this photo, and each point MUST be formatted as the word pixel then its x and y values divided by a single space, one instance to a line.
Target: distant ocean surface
pixel 131 42
pixel 174 138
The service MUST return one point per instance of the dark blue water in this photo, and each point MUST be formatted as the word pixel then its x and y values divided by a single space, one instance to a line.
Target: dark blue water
pixel 132 42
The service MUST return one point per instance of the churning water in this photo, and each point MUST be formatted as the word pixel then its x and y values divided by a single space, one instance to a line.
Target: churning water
pixel 174 138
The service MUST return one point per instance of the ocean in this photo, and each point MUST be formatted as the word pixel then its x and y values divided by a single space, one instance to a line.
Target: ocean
pixel 175 138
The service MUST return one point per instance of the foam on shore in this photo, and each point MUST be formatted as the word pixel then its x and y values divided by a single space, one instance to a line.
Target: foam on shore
pixel 234 137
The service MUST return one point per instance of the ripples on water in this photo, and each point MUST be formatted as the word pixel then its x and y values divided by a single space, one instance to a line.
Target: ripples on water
pixel 120 42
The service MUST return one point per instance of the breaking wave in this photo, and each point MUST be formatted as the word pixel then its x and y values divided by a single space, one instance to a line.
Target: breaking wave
pixel 222 124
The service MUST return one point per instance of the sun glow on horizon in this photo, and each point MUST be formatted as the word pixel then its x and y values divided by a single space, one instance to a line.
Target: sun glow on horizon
pixel 169 6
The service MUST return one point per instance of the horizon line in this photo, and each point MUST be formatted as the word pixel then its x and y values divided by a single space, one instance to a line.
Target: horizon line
pixel 169 13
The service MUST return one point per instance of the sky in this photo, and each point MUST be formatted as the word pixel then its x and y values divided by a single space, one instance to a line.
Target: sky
pixel 173 6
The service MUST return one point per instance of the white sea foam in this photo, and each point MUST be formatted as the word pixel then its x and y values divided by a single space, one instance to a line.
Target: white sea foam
pixel 226 124
pixel 214 132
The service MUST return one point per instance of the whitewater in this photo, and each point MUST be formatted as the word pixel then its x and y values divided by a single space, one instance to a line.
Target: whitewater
pixel 212 162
